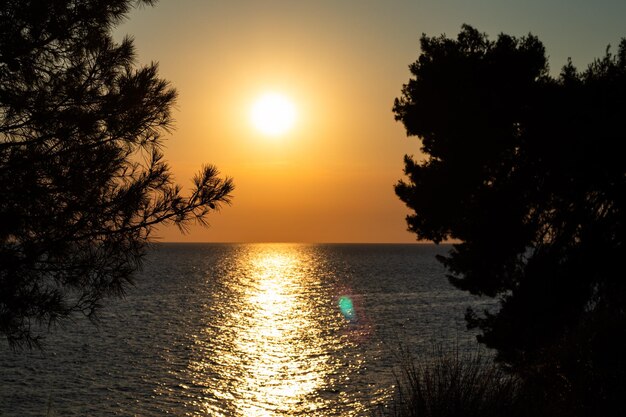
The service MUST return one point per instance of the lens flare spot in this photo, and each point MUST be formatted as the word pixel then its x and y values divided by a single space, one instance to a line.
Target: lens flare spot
pixel 347 307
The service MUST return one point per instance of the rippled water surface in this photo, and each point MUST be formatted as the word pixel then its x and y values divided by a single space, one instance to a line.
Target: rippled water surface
pixel 244 330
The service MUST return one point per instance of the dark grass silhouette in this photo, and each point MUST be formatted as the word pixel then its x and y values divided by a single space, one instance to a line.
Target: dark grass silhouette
pixel 452 383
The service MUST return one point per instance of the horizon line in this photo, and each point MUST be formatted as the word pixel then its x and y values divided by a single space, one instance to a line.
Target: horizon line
pixel 300 243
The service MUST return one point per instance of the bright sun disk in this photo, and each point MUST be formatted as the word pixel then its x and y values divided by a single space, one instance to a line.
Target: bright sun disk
pixel 273 114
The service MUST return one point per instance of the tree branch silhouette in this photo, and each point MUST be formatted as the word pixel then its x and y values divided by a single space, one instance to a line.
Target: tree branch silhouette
pixel 83 182
pixel 525 170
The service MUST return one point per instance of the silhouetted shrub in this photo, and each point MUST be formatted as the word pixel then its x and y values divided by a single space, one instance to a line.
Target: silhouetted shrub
pixel 526 171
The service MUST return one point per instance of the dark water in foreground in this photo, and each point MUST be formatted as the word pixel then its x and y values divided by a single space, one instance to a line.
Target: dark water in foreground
pixel 244 330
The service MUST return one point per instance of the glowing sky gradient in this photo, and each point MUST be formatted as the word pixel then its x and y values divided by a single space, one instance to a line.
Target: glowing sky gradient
pixel 331 177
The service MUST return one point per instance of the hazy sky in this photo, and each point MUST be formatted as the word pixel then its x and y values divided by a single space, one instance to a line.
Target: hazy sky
pixel 329 179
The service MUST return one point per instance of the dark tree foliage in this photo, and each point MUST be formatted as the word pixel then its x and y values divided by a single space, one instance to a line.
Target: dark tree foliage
pixel 82 179
pixel 527 172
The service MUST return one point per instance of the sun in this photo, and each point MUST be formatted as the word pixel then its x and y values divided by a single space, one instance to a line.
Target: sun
pixel 273 114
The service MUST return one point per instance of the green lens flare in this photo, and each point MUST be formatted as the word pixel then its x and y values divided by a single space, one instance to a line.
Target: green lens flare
pixel 346 307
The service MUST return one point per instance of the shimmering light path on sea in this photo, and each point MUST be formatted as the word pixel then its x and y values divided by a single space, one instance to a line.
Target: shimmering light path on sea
pixel 278 343
pixel 234 330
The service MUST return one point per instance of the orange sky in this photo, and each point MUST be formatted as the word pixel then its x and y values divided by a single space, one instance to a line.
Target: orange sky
pixel 329 179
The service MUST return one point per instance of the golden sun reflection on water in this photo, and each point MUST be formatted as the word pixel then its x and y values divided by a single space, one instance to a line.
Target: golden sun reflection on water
pixel 276 343
pixel 278 336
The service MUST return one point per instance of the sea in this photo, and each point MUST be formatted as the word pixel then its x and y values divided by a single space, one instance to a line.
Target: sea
pixel 247 330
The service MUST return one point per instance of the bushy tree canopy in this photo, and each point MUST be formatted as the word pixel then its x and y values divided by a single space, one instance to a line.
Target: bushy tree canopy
pixel 527 172
pixel 82 178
